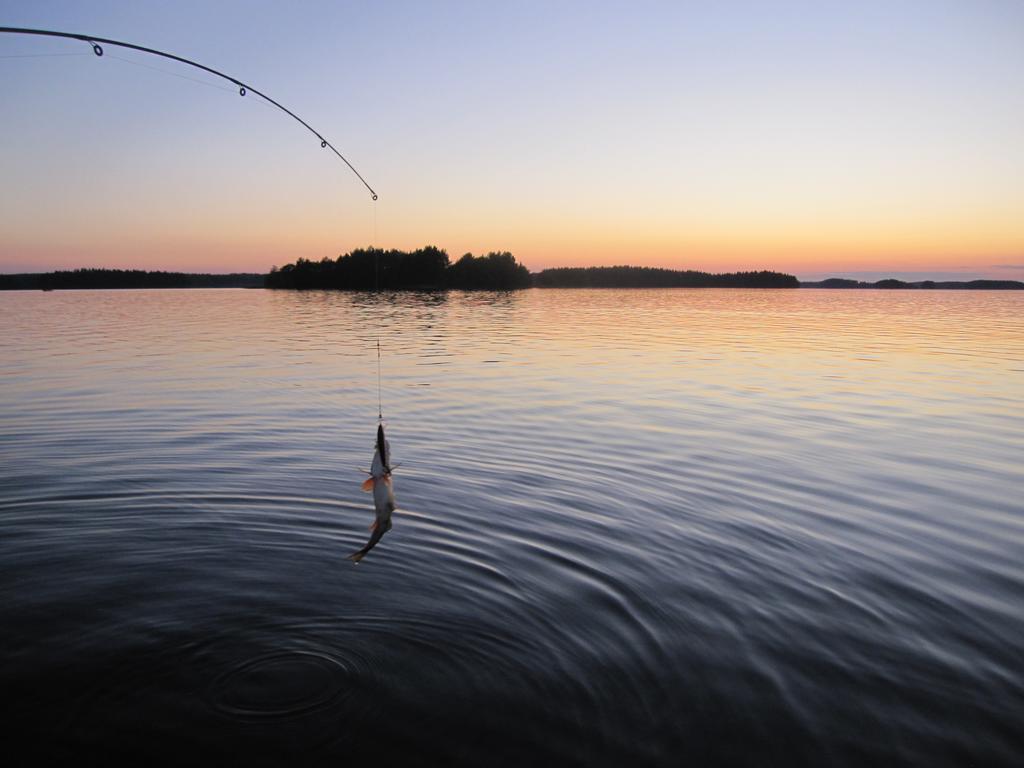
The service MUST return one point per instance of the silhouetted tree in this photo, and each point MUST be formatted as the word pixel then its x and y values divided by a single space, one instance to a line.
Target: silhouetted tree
pixel 495 271
pixel 426 268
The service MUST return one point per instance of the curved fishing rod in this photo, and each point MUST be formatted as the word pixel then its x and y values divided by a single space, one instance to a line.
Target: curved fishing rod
pixel 243 88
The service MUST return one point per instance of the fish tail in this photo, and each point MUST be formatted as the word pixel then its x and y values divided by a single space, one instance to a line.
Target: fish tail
pixel 374 538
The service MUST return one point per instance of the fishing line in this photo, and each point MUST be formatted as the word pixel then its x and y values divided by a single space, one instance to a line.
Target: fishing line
pixel 207 83
pixel 261 102
pixel 97 44
pixel 376 288
pixel 37 55
pixel 172 74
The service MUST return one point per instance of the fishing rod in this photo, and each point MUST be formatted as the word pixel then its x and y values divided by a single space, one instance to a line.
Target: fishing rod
pixel 243 88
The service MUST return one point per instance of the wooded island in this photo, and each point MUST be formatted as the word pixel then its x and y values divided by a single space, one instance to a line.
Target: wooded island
pixel 430 269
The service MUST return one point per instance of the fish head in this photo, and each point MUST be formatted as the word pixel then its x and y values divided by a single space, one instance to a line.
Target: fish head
pixel 381 454
pixel 382 447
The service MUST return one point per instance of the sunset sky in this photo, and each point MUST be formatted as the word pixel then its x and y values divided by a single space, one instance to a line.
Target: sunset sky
pixel 818 138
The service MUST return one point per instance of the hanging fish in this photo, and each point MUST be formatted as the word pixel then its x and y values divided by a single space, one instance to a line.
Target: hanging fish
pixel 379 482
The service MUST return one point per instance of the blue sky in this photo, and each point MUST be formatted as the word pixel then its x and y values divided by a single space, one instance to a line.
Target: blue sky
pixel 816 138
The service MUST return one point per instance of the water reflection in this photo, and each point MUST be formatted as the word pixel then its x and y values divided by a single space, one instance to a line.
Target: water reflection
pixel 638 527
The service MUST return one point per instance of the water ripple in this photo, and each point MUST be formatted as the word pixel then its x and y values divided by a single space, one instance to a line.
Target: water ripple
pixel 634 527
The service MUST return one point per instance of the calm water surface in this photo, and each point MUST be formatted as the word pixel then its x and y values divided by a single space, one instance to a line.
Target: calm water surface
pixel 636 528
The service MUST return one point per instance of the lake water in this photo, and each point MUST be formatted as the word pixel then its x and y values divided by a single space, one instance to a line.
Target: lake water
pixel 654 527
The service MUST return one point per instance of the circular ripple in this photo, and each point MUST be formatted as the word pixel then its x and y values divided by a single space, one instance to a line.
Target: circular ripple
pixel 279 686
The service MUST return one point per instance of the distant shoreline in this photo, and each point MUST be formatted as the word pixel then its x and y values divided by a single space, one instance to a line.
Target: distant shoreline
pixel 563 277
pixel 656 277
pixel 115 279
pixel 893 284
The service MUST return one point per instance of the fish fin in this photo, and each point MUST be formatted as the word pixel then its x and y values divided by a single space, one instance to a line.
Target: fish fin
pixel 355 557
pixel 367 484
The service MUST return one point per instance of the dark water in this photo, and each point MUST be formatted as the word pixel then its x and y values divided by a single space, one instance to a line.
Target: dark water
pixel 636 528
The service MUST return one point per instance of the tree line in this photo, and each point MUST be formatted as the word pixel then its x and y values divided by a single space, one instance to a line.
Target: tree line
pixel 654 277
pixel 428 268
pixel 125 278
